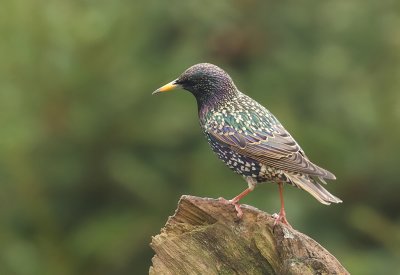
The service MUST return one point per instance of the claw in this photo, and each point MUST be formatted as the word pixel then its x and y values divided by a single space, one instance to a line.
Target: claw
pixel 235 201
pixel 224 201
pixel 239 212
pixel 281 217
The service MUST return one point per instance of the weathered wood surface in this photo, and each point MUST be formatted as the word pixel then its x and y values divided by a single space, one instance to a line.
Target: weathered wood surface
pixel 205 237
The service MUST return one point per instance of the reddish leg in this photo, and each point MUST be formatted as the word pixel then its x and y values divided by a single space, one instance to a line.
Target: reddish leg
pixel 281 217
pixel 235 201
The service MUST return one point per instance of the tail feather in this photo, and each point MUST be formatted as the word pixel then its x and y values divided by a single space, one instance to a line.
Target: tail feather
pixel 312 186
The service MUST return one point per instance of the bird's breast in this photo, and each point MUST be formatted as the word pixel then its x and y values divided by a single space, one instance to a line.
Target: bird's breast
pixel 240 164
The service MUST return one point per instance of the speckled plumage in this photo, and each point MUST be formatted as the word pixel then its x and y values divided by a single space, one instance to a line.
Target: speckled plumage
pixel 253 143
pixel 247 137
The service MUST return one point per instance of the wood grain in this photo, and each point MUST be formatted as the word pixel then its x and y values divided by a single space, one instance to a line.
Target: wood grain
pixel 204 236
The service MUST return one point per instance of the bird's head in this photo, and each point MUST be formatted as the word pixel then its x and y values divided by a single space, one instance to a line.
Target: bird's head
pixel 205 81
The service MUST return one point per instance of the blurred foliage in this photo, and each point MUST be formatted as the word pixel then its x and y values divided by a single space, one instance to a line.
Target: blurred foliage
pixel 92 164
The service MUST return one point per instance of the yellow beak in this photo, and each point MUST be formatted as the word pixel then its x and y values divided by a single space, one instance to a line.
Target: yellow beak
pixel 167 87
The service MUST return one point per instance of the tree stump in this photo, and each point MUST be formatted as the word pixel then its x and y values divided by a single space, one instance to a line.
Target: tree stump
pixel 204 236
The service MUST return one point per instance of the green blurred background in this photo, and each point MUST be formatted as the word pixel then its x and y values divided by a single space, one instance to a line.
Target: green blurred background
pixel 92 165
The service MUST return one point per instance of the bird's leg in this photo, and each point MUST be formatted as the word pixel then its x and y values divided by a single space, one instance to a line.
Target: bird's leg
pixel 281 217
pixel 235 201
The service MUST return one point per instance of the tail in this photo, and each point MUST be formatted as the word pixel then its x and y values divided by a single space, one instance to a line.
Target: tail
pixel 312 186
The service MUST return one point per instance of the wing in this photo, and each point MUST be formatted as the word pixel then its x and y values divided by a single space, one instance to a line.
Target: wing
pixel 261 137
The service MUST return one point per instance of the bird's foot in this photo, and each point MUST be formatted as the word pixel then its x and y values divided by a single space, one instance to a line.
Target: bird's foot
pixel 281 217
pixel 235 203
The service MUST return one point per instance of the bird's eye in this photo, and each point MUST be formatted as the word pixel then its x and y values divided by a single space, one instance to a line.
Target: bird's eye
pixel 187 82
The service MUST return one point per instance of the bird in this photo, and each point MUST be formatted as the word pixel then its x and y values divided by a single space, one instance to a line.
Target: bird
pixel 248 138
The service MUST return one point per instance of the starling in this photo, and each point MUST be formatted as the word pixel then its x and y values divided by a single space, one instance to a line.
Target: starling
pixel 248 138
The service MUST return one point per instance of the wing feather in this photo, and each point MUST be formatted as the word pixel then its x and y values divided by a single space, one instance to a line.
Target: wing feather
pixel 272 145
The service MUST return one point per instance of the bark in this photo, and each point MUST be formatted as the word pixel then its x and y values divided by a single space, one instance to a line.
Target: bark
pixel 204 236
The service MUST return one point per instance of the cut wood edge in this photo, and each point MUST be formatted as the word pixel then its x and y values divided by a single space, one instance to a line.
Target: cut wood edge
pixel 204 236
